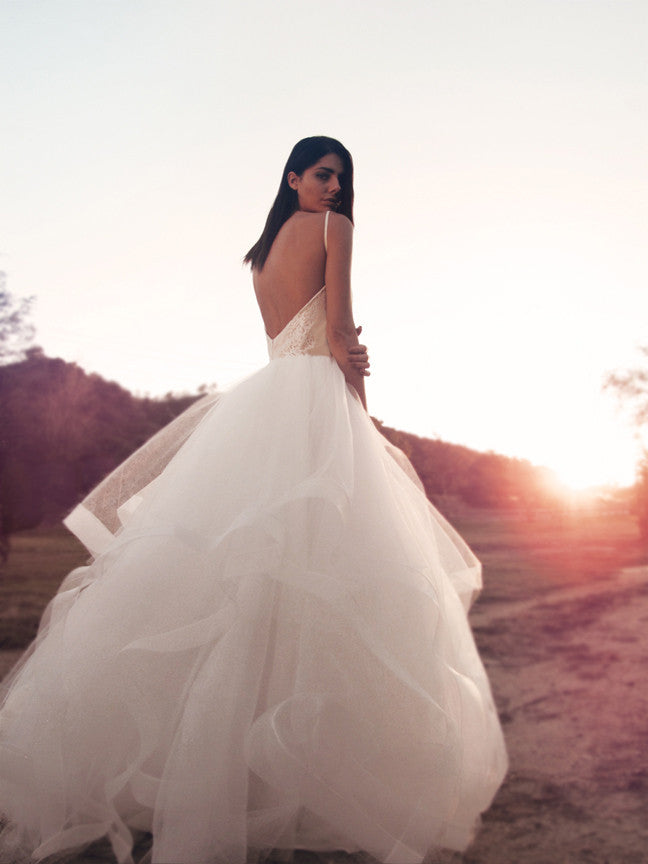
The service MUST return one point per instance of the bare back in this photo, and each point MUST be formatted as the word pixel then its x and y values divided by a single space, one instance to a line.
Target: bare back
pixel 294 270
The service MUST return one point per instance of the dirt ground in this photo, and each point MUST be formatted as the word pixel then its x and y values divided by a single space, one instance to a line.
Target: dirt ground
pixel 570 677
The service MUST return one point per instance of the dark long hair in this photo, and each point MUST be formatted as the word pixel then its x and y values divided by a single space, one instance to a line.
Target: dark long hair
pixel 304 154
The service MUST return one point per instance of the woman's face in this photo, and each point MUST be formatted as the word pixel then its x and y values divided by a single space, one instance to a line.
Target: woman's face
pixel 318 188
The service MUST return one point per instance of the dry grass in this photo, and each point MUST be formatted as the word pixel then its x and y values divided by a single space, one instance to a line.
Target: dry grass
pixel 39 561
pixel 551 550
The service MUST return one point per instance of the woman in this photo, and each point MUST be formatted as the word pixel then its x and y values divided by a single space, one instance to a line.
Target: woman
pixel 270 649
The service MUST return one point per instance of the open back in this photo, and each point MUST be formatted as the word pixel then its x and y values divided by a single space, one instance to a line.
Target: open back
pixel 294 270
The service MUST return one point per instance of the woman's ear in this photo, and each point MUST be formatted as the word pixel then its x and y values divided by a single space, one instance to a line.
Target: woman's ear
pixel 293 179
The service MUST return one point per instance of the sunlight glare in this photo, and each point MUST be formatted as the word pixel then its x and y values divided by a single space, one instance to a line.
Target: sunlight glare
pixel 587 467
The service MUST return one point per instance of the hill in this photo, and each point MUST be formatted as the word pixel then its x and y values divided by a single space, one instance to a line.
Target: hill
pixel 62 430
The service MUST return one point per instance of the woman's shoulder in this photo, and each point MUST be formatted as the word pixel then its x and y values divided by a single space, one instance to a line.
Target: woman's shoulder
pixel 308 229
pixel 302 217
pixel 339 231
pixel 339 222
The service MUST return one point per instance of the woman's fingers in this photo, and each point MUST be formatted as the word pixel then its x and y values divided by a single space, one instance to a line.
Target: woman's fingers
pixel 359 358
pixel 358 355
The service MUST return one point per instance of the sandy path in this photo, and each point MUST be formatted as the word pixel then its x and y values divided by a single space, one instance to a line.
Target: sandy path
pixel 571 682
pixel 570 678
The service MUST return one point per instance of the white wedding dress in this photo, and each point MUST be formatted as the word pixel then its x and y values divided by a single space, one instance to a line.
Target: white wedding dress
pixel 270 648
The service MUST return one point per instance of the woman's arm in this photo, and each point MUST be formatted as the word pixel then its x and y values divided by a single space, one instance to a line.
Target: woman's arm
pixel 340 327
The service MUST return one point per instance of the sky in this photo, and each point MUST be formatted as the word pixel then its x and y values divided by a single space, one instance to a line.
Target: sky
pixel 500 152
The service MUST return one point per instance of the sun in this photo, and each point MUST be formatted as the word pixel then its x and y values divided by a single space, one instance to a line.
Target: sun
pixel 583 468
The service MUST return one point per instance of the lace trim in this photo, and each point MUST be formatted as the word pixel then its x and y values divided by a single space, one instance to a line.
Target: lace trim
pixel 298 336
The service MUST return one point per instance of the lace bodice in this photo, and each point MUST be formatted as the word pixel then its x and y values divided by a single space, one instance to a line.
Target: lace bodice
pixel 305 333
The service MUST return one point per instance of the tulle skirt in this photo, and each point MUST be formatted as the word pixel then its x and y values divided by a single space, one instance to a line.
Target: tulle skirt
pixel 271 652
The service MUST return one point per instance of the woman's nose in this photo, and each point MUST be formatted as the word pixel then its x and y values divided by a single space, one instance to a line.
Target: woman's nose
pixel 334 185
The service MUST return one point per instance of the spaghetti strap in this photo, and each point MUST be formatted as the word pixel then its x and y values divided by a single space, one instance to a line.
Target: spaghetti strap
pixel 328 213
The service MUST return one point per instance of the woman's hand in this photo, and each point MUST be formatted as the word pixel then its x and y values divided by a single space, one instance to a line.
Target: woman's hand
pixel 358 357
pixel 341 331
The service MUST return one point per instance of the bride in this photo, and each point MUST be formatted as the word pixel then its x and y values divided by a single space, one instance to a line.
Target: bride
pixel 270 648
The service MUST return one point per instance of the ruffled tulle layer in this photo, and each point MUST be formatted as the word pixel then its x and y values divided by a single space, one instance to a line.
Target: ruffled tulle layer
pixel 273 652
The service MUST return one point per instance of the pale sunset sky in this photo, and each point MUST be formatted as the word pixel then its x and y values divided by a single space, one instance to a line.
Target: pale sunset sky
pixel 500 148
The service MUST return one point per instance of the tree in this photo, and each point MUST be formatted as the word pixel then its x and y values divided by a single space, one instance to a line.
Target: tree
pixel 16 333
pixel 631 389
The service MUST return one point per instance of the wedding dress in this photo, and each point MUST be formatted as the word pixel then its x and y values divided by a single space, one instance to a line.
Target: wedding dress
pixel 270 648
